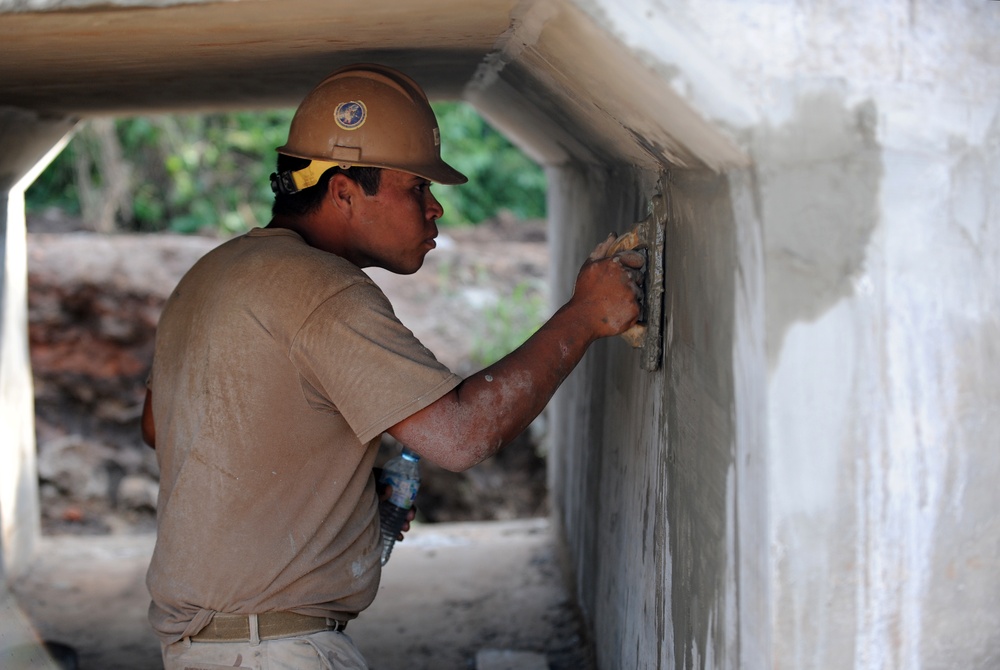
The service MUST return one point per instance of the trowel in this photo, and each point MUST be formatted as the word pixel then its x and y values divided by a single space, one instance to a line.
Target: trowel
pixel 647 237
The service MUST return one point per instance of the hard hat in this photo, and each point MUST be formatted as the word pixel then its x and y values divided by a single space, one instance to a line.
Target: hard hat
pixel 366 115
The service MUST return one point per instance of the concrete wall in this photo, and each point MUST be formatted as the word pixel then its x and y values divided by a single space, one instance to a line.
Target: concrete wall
pixel 658 478
pixel 27 143
pixel 588 458
pixel 882 330
pixel 808 482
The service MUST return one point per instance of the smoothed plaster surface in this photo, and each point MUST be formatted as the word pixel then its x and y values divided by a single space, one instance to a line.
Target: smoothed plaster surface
pixel 699 407
pixel 651 457
pixel 818 176
pixel 881 415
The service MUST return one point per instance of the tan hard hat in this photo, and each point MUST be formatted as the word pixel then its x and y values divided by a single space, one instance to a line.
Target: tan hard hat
pixel 371 116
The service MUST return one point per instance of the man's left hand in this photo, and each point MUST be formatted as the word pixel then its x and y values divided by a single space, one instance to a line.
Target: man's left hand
pixel 384 493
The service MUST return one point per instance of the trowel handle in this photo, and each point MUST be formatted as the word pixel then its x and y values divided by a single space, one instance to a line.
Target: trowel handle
pixel 624 242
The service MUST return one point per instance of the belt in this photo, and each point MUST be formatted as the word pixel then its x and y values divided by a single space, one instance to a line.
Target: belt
pixel 270 626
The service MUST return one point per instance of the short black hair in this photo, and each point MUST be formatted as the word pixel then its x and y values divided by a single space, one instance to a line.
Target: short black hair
pixel 308 199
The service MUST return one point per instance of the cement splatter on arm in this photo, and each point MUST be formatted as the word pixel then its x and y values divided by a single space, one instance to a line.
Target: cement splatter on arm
pixel 490 408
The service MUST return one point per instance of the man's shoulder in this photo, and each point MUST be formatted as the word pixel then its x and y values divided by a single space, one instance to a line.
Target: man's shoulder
pixel 265 263
pixel 283 254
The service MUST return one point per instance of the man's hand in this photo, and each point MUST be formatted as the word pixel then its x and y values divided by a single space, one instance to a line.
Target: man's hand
pixel 608 290
pixel 384 493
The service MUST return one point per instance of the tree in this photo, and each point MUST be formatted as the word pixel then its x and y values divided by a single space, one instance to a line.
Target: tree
pixel 210 172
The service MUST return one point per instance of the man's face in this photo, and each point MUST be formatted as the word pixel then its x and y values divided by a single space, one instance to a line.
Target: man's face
pixel 396 226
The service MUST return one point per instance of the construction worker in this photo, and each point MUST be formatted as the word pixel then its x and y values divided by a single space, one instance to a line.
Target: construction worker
pixel 279 364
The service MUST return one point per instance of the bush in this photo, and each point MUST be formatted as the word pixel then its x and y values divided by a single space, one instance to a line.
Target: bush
pixel 210 173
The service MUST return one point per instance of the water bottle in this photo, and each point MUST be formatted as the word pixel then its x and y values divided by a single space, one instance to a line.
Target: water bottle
pixel 402 473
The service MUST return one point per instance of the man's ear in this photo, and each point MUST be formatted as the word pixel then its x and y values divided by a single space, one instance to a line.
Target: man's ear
pixel 342 192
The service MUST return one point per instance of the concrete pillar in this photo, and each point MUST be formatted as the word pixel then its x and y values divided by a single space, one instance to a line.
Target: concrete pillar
pixel 882 229
pixel 28 142
pixel 810 481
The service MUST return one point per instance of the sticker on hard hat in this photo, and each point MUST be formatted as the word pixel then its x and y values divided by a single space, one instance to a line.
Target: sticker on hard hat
pixel 350 115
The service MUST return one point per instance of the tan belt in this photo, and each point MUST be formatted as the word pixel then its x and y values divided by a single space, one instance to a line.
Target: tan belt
pixel 270 626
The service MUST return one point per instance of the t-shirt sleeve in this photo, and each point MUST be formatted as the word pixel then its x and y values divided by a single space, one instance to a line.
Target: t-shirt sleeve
pixel 354 352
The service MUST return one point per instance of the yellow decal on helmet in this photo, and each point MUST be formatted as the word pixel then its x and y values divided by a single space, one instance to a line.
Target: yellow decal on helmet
pixel 350 115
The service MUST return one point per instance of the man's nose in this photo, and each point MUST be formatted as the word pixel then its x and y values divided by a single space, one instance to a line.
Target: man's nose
pixel 433 208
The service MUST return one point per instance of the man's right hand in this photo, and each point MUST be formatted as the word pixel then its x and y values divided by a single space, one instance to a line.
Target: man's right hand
pixel 608 290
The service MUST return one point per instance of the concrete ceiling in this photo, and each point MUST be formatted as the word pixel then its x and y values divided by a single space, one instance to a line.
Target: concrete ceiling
pixel 543 71
pixel 251 53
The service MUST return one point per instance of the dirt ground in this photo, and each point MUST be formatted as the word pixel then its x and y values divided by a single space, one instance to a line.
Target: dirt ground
pixel 484 596
pixel 454 596
pixel 94 301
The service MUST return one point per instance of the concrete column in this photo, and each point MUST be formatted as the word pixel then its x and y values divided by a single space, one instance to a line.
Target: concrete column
pixel 883 259
pixel 28 142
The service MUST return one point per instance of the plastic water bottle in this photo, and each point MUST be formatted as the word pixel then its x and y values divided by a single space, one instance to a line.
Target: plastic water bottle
pixel 402 473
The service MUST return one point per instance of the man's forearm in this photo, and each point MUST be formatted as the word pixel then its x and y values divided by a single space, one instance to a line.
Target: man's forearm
pixel 492 407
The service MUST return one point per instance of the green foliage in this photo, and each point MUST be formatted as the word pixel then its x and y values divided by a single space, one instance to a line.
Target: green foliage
pixel 507 324
pixel 56 186
pixel 500 175
pixel 192 173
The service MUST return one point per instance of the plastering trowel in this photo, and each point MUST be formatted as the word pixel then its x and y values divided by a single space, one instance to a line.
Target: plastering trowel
pixel 647 237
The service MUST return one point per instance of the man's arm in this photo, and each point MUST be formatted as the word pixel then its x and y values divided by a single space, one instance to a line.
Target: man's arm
pixel 148 427
pixel 490 408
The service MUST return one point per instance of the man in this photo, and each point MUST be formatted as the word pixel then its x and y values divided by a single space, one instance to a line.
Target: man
pixel 279 364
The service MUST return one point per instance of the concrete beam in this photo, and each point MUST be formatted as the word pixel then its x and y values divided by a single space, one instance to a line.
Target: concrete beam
pixel 592 96
pixel 111 59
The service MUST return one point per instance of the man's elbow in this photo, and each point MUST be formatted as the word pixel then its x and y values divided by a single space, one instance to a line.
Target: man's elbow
pixel 461 457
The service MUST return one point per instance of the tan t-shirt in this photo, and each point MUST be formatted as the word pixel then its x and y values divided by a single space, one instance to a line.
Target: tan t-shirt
pixel 277 368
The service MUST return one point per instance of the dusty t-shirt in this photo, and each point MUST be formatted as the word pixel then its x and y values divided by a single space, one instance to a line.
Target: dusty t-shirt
pixel 277 368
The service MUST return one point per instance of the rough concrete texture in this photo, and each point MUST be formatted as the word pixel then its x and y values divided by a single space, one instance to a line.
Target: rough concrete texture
pixel 606 104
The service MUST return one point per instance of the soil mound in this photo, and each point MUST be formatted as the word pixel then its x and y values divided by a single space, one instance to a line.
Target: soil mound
pixel 94 301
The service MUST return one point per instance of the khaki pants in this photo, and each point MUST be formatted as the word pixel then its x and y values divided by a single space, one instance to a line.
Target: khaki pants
pixel 327 650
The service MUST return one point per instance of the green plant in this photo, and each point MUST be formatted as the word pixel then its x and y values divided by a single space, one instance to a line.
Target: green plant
pixel 507 324
pixel 210 172
pixel 500 175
